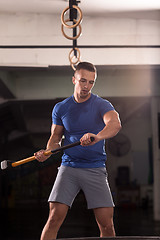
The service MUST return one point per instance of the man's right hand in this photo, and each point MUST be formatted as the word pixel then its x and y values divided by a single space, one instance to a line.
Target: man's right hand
pixel 40 156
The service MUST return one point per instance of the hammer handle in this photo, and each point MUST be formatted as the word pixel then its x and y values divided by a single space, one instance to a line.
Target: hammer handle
pixel 29 159
pixel 47 153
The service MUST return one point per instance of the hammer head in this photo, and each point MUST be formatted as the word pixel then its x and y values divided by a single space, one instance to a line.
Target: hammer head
pixel 5 164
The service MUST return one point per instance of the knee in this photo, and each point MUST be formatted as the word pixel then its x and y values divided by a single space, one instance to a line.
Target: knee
pixel 57 215
pixel 107 225
pixel 107 229
pixel 54 219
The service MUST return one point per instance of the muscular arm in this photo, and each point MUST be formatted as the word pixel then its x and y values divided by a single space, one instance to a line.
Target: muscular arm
pixel 112 127
pixel 53 142
pixel 55 138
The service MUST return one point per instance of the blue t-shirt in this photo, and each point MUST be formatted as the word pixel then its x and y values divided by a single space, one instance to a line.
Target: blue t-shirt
pixel 78 119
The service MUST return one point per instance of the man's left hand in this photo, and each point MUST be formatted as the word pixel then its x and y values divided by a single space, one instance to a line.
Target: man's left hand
pixel 86 139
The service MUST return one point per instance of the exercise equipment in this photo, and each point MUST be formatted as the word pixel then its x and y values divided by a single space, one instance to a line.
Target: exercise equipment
pixel 77 22
pixel 8 163
pixel 68 37
pixel 73 10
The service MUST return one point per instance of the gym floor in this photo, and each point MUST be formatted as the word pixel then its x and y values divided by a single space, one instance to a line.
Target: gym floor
pixel 26 223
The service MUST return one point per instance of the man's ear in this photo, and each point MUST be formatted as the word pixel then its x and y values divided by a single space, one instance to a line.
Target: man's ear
pixel 73 80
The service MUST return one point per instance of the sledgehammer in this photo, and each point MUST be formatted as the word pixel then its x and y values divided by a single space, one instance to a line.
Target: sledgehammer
pixel 7 163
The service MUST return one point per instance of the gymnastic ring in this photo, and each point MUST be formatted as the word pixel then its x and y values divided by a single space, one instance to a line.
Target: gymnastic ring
pixel 78 21
pixel 71 58
pixel 68 37
pixel 72 62
pixel 77 49
pixel 73 67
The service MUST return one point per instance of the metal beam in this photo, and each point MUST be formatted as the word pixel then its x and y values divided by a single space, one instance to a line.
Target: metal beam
pixel 79 46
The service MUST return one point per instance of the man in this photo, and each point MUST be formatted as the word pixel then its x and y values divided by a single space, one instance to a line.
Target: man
pixel 80 117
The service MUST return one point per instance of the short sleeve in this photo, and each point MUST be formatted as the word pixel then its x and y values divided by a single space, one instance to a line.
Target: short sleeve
pixel 56 115
pixel 105 106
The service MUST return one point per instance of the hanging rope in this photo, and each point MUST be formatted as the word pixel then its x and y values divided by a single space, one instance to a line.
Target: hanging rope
pixel 74 54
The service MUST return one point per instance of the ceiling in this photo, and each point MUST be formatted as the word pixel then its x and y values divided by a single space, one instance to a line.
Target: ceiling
pixel 88 7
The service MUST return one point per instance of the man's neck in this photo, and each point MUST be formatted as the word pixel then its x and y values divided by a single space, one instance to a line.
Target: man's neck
pixel 79 99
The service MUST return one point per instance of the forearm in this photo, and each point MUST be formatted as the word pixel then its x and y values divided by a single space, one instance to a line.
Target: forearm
pixel 110 130
pixel 53 143
pixel 55 138
pixel 112 125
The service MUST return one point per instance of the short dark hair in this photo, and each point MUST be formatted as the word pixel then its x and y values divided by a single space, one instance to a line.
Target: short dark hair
pixel 87 66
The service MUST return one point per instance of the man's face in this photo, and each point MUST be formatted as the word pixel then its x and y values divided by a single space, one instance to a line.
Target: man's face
pixel 84 82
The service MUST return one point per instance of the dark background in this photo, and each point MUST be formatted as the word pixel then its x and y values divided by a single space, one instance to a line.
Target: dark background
pixel 24 190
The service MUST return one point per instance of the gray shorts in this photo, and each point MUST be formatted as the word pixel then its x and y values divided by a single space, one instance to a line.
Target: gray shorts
pixel 92 181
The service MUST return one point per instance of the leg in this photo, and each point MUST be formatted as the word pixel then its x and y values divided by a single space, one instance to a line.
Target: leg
pixel 104 218
pixel 57 214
